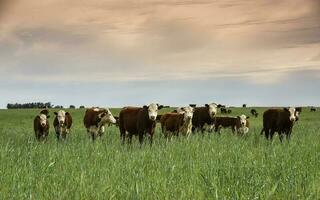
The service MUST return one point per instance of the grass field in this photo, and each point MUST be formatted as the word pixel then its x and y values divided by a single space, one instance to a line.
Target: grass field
pixel 202 167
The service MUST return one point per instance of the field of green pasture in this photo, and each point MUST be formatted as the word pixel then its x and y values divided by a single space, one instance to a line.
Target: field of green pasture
pixel 201 167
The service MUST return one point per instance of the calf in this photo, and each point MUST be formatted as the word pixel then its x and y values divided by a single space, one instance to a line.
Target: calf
pixel 179 122
pixel 138 121
pixel 62 123
pixel 313 109
pixel 203 116
pixel 95 120
pixel 239 124
pixel 279 120
pixel 41 125
pixel 254 113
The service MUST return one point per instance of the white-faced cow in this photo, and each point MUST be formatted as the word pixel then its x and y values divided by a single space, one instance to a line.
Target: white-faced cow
pixel 177 122
pixel 41 125
pixel 62 123
pixel 138 121
pixel 204 116
pixel 279 120
pixel 95 120
pixel 239 124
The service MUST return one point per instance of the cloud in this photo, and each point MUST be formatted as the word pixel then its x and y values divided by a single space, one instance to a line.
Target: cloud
pixel 157 40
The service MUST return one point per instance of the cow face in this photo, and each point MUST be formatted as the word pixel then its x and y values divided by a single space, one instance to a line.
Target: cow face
pixel 293 114
pixel 212 108
pixel 153 110
pixel 61 116
pixel 243 120
pixel 187 112
pixel 106 117
pixel 43 120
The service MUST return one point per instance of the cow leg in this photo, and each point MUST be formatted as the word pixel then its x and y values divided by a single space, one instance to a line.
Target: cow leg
pixel 288 135
pixel 281 135
pixel 266 133
pixel 123 135
pixel 64 135
pixel 262 131
pixel 150 139
pixel 233 129
pixel 58 136
pixel 93 136
pixel 57 133
pixel 271 134
pixel 101 131
pixel 141 138
pixel 130 138
pixel 37 135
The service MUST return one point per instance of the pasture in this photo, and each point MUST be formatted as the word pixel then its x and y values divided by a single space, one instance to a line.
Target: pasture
pixel 201 167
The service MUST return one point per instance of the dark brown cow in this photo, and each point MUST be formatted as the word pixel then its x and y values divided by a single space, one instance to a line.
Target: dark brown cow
pixel 62 123
pixel 138 121
pixel 95 120
pixel 239 124
pixel 41 125
pixel 203 116
pixel 313 109
pixel 171 123
pixel 279 120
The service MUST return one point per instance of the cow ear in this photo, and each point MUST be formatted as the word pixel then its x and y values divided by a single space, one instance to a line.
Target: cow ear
pixel 182 108
pixel 55 113
pixel 145 107
pixel 238 117
pixel 207 105
pixel 248 117
pixel 160 107
pixel 48 116
pixel 67 113
pixel 286 109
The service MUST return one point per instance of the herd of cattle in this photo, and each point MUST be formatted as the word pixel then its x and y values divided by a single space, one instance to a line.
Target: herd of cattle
pixel 141 121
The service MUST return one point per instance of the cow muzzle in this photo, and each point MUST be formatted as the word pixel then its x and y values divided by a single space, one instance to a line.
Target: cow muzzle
pixel 153 118
pixel 292 119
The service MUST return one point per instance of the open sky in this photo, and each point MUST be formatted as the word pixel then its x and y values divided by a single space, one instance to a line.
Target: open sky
pixel 174 52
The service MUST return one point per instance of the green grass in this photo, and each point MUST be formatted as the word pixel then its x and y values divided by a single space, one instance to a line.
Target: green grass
pixel 203 167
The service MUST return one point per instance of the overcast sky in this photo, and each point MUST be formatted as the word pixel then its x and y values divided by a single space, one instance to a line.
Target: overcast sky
pixel 129 52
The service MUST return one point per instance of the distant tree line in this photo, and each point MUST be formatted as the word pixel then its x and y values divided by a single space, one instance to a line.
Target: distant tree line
pixel 29 105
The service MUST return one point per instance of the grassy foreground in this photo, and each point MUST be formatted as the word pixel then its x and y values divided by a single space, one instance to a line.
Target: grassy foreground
pixel 202 167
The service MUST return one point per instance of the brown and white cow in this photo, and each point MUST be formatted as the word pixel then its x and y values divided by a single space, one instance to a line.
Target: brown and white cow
pixel 204 116
pixel 62 123
pixel 95 120
pixel 177 122
pixel 238 124
pixel 279 120
pixel 41 125
pixel 138 121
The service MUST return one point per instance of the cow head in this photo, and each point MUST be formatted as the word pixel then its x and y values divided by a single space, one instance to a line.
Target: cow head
pixel 153 110
pixel 243 120
pixel 43 119
pixel 187 112
pixel 293 114
pixel 61 116
pixel 106 117
pixel 212 108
